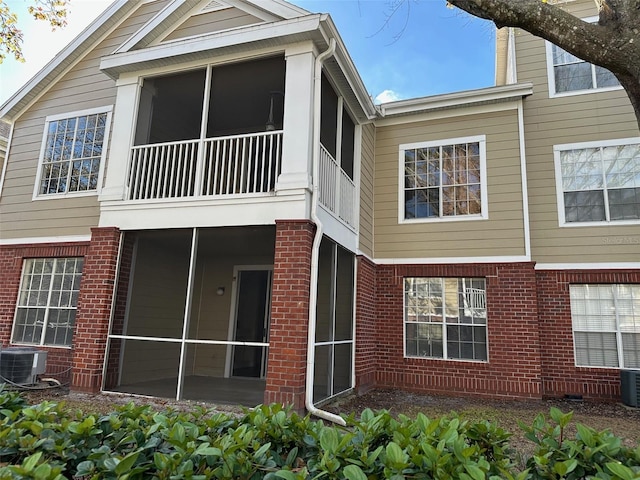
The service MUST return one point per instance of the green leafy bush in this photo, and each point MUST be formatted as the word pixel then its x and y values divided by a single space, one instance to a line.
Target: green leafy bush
pixel 590 454
pixel 46 442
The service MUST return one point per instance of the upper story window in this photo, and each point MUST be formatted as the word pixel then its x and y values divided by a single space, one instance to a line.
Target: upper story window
pixel 445 318
pixel 598 183
pixel 570 75
pixel 443 180
pixel 73 153
pixel 606 325
pixel 47 301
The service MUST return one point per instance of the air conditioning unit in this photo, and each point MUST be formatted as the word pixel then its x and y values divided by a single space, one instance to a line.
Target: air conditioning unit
pixel 22 365
pixel 630 387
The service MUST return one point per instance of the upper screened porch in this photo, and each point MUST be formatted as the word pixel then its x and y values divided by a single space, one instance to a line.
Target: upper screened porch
pixel 237 137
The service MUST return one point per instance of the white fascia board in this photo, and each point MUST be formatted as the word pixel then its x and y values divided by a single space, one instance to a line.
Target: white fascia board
pixel 457 99
pixel 452 260
pixel 277 8
pixel 162 16
pixel 41 240
pixel 589 266
pixel 45 78
pixel 349 69
pixel 161 214
pixel 114 64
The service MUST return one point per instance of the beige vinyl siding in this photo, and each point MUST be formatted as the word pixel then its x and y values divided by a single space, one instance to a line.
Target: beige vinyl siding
pixel 588 117
pixel 502 234
pixel 212 22
pixel 366 189
pixel 81 88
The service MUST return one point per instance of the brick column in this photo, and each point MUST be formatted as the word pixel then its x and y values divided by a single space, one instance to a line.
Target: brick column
pixel 366 345
pixel 94 307
pixel 286 370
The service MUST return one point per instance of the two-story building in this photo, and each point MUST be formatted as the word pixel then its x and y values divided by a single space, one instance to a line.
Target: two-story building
pixel 201 201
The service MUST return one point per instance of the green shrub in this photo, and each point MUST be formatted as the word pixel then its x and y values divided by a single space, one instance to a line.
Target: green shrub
pixel 46 442
pixel 591 454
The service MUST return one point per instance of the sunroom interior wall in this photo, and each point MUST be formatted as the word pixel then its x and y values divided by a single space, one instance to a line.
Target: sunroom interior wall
pixel 210 313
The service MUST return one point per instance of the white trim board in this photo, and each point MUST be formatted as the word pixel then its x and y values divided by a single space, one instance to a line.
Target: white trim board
pixel 589 266
pixel 41 240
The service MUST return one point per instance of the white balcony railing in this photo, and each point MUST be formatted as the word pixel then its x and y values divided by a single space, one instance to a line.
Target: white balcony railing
pixel 233 165
pixel 337 192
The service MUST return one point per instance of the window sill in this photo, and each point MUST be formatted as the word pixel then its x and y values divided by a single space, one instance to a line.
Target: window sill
pixel 466 218
pixel 588 91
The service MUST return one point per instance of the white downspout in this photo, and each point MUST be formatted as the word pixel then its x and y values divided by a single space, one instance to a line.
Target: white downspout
pixel 313 294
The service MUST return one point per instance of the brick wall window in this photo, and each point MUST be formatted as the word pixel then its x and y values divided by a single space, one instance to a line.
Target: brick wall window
pixel 598 183
pixel 606 325
pixel 47 301
pixel 72 155
pixel 445 318
pixel 443 180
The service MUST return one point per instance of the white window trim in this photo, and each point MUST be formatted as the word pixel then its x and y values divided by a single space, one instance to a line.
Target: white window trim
pixel 108 109
pixel 559 189
pixel 444 358
pixel 551 79
pixel 48 307
pixel 484 207
pixel 618 334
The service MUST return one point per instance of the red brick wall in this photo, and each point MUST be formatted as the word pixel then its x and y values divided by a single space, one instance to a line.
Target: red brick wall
pixel 366 345
pixel 94 307
pixel 11 260
pixel 289 313
pixel 560 375
pixel 514 367
pixel 122 292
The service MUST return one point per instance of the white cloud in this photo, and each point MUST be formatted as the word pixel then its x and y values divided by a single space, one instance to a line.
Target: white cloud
pixel 387 96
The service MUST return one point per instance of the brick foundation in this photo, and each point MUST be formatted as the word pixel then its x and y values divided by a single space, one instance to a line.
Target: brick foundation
pixel 94 307
pixel 289 314
pixel 514 367
pixel 560 375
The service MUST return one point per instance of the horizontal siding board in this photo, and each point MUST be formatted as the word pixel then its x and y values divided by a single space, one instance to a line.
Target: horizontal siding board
pixel 367 189
pixel 502 232
pixel 82 87
pixel 212 22
pixel 595 116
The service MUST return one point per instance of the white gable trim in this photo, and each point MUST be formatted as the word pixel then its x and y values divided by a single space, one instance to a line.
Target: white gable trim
pixel 152 24
pixel 114 64
pixel 266 10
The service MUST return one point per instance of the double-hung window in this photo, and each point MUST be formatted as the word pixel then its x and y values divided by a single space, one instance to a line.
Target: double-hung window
pixel 445 318
pixel 47 301
pixel 606 325
pixel 569 75
pixel 598 183
pixel 73 153
pixel 443 180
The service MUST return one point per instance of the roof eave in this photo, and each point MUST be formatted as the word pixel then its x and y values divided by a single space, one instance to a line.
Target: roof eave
pixel 42 80
pixel 457 99
pixel 185 50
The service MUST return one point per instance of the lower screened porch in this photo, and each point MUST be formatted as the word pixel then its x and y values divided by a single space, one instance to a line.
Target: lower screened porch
pixel 193 316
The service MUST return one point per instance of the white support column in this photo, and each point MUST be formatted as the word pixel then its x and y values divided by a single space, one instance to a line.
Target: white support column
pixel 123 126
pixel 297 145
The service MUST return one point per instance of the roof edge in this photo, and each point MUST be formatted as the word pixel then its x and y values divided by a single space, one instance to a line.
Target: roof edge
pixel 40 82
pixel 456 99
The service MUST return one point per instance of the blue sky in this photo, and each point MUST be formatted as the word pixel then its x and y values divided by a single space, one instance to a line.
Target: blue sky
pixel 423 49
